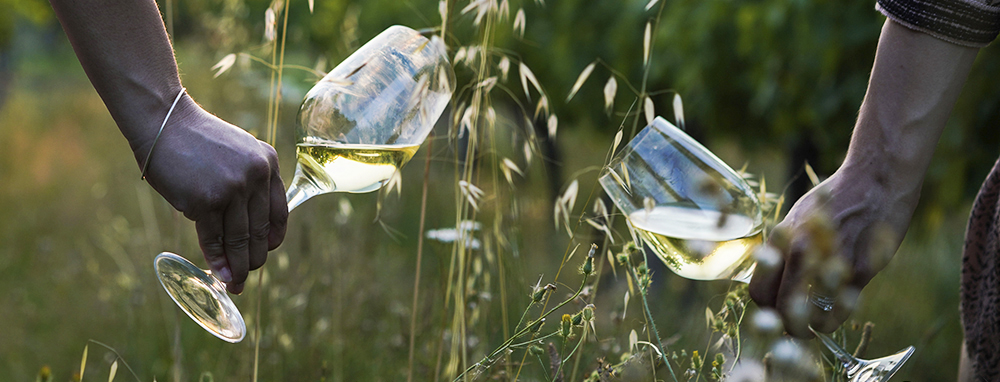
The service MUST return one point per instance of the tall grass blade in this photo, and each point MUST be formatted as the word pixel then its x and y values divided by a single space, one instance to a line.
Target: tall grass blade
pixel 651 4
pixel 83 361
pixel 812 175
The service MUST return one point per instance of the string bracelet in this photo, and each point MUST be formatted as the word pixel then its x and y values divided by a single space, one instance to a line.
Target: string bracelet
pixel 145 165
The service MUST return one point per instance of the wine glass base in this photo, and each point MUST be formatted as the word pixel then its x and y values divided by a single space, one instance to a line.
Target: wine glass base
pixel 880 369
pixel 200 296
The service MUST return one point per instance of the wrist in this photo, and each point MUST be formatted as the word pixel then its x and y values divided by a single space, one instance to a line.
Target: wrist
pixel 144 164
pixel 148 133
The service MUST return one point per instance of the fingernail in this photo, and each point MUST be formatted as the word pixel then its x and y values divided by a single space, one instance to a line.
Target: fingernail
pixel 225 275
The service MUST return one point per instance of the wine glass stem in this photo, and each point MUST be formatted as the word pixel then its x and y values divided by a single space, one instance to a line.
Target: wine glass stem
pixel 300 190
pixel 846 359
pixel 744 275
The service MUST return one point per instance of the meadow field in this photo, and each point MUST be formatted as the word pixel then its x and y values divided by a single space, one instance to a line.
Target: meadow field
pixel 354 294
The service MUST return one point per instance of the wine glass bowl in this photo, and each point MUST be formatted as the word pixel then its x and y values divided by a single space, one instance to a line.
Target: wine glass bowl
pixel 355 129
pixel 366 118
pixel 704 221
pixel 696 213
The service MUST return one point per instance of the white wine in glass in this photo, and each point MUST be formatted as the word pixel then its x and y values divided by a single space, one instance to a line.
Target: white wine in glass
pixel 700 244
pixel 355 129
pixel 703 220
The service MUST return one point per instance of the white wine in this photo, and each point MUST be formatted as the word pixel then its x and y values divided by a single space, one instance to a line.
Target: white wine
pixel 325 166
pixel 700 244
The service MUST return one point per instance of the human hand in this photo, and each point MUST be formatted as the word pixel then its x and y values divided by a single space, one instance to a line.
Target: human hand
pixel 227 182
pixel 832 243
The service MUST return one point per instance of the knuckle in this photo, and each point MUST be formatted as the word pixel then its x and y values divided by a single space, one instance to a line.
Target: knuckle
pixel 260 231
pixel 259 169
pixel 237 242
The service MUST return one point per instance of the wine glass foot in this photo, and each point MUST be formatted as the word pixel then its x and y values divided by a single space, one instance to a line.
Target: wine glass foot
pixel 201 296
pixel 878 370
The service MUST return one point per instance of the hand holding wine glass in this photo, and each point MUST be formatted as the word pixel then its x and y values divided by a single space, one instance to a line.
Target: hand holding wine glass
pixel 356 128
pixel 705 222
pixel 227 182
pixel 836 238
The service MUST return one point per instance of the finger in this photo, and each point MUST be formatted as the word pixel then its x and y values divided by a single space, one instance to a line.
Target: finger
pixel 210 233
pixel 236 241
pixel 258 212
pixel 792 299
pixel 766 275
pixel 279 208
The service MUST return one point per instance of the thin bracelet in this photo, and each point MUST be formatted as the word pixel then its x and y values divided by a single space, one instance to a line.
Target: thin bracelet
pixel 145 165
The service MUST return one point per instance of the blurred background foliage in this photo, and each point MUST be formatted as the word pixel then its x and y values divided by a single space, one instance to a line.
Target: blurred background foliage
pixel 770 83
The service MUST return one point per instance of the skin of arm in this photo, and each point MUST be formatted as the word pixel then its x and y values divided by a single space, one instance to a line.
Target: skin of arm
pixel 217 174
pixel 868 202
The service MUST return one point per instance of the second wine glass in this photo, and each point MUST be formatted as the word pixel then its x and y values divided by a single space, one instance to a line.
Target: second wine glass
pixel 703 220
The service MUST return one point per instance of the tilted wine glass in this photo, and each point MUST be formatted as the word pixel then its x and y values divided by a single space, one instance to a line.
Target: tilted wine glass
pixel 703 220
pixel 355 129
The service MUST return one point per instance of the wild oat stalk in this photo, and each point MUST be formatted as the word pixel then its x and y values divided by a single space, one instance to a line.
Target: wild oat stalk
pixel 534 326
pixel 626 260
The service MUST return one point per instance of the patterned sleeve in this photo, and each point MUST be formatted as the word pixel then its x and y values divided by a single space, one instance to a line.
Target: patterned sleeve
pixel 972 23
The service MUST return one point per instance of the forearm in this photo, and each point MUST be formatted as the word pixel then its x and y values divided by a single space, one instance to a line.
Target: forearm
pixel 915 81
pixel 124 49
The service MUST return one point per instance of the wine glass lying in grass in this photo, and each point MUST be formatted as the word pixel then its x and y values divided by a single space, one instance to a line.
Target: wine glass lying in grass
pixel 703 220
pixel 355 129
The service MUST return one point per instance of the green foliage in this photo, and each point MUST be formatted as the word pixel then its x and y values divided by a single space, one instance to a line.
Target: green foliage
pixel 770 70
pixel 37 12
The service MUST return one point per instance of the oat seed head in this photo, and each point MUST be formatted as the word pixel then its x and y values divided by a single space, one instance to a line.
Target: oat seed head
pixel 610 89
pixel 580 80
pixel 270 24
pixel 519 22
pixel 650 111
pixel 679 111
pixel 224 64
pixel 646 40
pixel 504 67
pixel 553 125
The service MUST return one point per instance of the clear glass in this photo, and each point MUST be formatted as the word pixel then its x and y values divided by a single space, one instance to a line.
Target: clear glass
pixel 702 219
pixel 355 129
pixel 367 117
